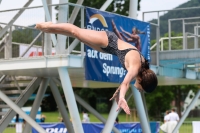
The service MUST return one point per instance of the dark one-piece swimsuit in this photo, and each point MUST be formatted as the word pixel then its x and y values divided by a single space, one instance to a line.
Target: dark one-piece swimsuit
pixel 112 48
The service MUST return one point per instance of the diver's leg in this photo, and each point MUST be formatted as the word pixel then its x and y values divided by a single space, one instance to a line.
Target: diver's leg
pixel 94 39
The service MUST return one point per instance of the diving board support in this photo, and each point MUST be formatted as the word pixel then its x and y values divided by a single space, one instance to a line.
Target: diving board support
pixel 93 111
pixel 141 111
pixel 8 45
pixel 72 46
pixel 88 107
pixel 75 11
pixel 62 18
pixel 18 110
pixel 157 46
pixel 111 118
pixel 113 115
pixel 47 45
pixel 20 102
pixel 65 80
pixel 105 5
pixel 48 18
pixel 61 106
pixel 187 111
pixel 145 105
pixel 133 5
pixel 37 102
pixel 70 98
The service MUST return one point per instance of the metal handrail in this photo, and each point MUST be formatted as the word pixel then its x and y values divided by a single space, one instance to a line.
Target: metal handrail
pixel 176 9
pixel 19 26
pixel 167 38
pixel 4 38
pixel 31 44
pixel 68 3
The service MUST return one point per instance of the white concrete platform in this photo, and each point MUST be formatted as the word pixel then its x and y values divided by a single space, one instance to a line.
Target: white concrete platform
pixel 46 66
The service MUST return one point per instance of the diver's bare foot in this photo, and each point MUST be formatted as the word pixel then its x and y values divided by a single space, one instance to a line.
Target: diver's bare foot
pixel 44 26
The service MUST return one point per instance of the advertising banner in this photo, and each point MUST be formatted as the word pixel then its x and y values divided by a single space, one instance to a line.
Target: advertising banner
pixel 98 127
pixel 106 67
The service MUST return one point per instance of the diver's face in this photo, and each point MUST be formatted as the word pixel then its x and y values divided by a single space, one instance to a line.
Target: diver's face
pixel 134 31
pixel 137 84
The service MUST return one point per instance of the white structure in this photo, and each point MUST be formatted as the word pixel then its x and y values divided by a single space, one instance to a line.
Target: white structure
pixel 189 99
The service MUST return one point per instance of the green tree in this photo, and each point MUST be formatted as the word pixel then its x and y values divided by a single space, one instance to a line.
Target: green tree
pixel 176 44
pixel 162 97
pixel 122 6
pixel 22 36
pixel 159 101
pixel 180 91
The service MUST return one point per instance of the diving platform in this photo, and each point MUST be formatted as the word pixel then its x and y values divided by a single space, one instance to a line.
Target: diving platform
pixel 46 66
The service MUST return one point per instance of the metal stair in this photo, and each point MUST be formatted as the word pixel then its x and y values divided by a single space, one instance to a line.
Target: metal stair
pixel 18 91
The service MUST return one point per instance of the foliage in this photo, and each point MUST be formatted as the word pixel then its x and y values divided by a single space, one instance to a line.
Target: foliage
pixel 159 101
pixel 48 103
pixel 23 36
pixel 122 7
pixel 96 97
pixel 176 44
pixel 162 98
pixel 102 107
pixel 176 26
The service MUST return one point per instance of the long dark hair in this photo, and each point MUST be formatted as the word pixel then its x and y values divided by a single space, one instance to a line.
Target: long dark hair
pixel 149 79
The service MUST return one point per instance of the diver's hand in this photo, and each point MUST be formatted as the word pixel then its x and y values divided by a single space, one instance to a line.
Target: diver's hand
pixel 116 95
pixel 123 104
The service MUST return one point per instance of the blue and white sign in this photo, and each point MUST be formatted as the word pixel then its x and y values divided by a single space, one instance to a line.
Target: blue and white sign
pixel 105 67
pixel 98 127
pixel 52 128
pixel 27 110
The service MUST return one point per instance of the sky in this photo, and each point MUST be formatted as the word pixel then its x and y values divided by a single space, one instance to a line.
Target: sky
pixel 146 5
pixel 155 5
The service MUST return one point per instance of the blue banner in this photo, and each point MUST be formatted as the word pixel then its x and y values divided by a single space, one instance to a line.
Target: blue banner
pixel 98 127
pixel 106 67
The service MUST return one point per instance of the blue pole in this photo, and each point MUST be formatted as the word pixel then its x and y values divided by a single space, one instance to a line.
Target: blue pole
pixel 140 110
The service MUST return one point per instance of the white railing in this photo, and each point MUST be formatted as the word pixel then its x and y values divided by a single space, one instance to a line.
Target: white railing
pixel 161 41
